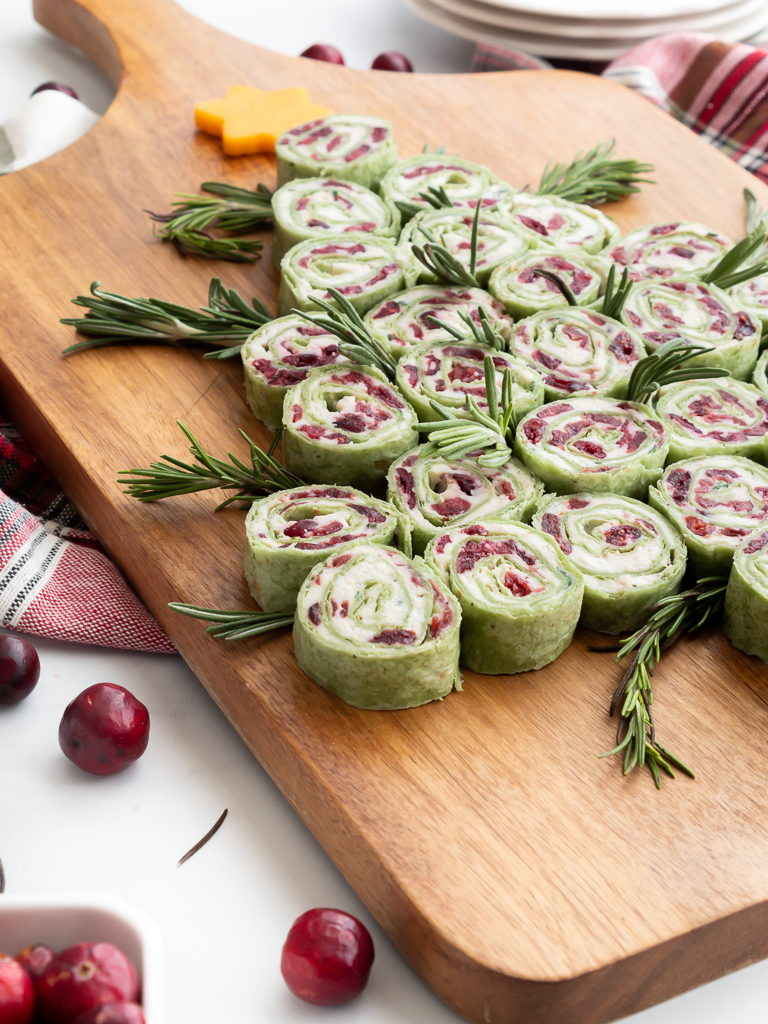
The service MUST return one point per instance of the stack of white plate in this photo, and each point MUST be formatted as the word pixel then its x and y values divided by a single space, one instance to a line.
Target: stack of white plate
pixel 591 30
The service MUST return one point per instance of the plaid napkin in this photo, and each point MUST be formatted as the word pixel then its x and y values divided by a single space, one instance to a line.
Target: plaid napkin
pixel 55 580
pixel 718 89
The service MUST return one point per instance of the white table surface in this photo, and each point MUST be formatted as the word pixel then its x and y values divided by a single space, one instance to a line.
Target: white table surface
pixel 225 913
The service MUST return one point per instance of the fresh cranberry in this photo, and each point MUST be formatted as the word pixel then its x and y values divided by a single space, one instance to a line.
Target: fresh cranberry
pixel 323 51
pixel 327 957
pixel 19 669
pixel 35 958
pixel 104 729
pixel 392 60
pixel 83 977
pixel 112 1013
pixel 56 87
pixel 17 992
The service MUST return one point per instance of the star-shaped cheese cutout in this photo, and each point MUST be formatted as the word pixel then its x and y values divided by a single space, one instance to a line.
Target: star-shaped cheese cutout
pixel 249 120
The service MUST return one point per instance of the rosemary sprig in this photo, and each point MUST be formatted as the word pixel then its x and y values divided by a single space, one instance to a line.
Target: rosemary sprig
pixel 455 437
pixel 438 259
pixel 117 320
pixel 669 619
pixel 228 208
pixel 355 340
pixel 233 625
pixel 734 267
pixel 173 477
pixel 560 284
pixel 666 367
pixel 755 214
pixel 594 177
pixel 615 295
pixel 483 333
pixel 437 198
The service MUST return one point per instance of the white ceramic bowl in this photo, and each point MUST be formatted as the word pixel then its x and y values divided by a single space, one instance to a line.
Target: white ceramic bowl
pixel 62 919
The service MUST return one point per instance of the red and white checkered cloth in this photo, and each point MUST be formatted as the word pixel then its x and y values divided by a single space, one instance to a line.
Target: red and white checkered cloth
pixel 54 579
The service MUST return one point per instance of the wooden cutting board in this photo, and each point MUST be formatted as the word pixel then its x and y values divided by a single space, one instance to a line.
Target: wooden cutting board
pixel 523 877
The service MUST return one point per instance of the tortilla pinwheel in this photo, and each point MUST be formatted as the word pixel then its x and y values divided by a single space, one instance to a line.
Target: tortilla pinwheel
pixel 357 147
pixel 667 309
pixel 745 613
pixel 316 207
pixel 523 289
pixel 714 416
pixel 462 182
pixel 405 320
pixel 630 555
pixel 290 531
pixel 578 350
pixel 345 425
pixel 671 249
pixel 436 493
pixel 716 501
pixel 378 630
pixel 593 444
pixel 364 270
pixel 552 221
pixel 520 598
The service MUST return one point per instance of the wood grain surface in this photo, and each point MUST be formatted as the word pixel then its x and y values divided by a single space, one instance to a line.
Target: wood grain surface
pixel 523 877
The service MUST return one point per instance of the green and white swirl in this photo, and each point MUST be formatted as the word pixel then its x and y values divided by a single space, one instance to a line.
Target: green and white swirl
pixel 672 309
pixel 378 629
pixel 630 556
pixel 714 416
pixel 351 146
pixel 745 615
pixel 435 493
pixel 551 221
pixel 497 239
pixel 402 321
pixel 279 355
pixel 345 426
pixel 289 532
pixel 364 270
pixel 520 598
pixel 465 182
pixel 671 249
pixel 317 207
pixel 523 291
pixel 752 297
pixel 450 371
pixel 593 444
pixel 716 501
pixel 760 373
pixel 578 350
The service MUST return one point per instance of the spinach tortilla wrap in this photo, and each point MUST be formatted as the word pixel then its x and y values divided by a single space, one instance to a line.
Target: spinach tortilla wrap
pixel 520 598
pixel 290 531
pixel 378 629
pixel 745 614
pixel 630 555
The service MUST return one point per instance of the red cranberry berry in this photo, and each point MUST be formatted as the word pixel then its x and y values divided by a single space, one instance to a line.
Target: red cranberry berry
pixel 35 958
pixel 17 992
pixel 83 977
pixel 323 51
pixel 112 1013
pixel 327 957
pixel 392 60
pixel 104 729
pixel 56 87
pixel 19 669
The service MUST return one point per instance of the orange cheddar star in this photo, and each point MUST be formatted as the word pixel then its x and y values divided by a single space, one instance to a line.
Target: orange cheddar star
pixel 249 120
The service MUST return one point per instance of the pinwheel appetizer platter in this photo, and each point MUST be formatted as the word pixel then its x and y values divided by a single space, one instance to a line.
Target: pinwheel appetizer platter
pixel 438 712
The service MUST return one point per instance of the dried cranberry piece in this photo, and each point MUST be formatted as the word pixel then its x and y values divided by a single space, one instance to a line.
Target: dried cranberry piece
pixel 327 957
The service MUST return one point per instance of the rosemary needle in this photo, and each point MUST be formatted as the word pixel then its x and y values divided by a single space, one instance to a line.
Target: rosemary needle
pixel 233 625
pixel 211 832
